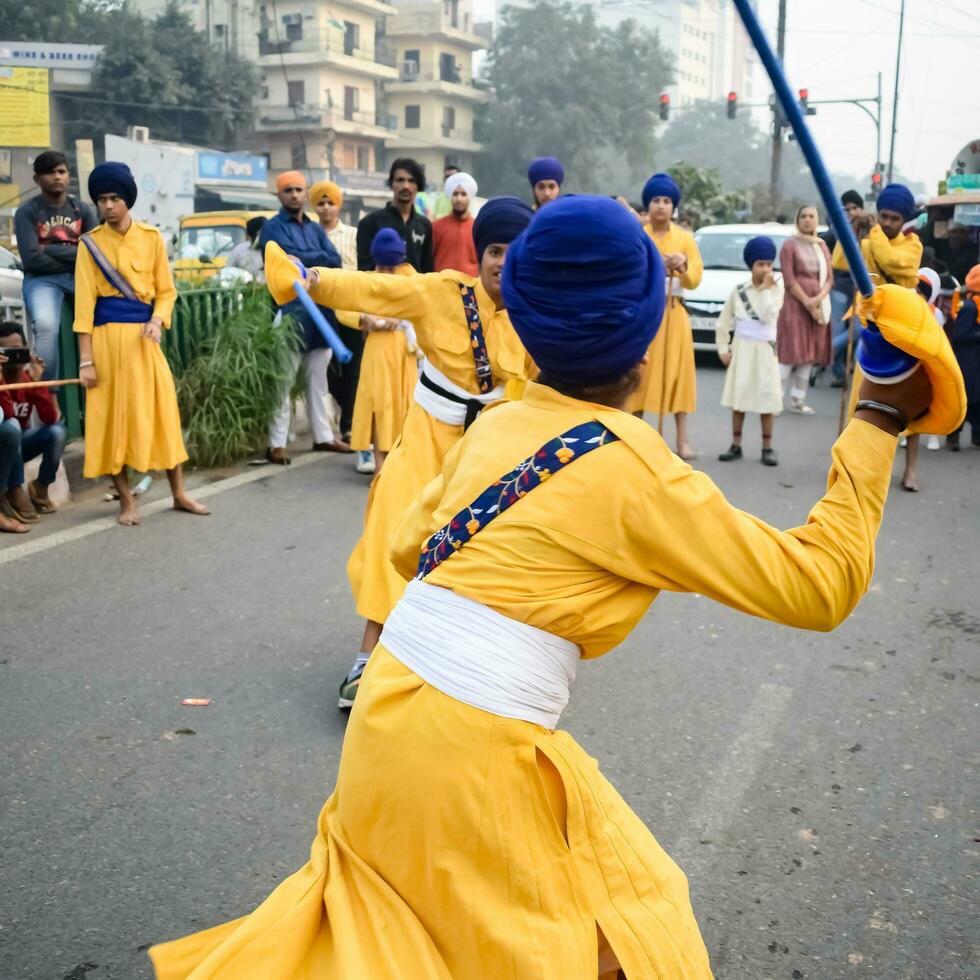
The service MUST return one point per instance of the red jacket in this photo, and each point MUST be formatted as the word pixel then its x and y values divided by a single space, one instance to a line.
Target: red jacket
pixel 453 248
pixel 18 404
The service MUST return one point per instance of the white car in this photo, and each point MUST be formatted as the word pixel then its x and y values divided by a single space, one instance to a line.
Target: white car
pixel 721 249
pixel 11 281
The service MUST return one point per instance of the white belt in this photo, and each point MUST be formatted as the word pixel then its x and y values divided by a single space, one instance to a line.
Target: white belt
pixel 673 287
pixel 479 657
pixel 450 412
pixel 755 330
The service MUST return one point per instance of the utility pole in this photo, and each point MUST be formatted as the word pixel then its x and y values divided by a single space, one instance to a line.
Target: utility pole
pixel 898 69
pixel 777 116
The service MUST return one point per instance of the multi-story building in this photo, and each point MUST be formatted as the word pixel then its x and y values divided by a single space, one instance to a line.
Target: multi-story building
pixel 230 24
pixel 430 104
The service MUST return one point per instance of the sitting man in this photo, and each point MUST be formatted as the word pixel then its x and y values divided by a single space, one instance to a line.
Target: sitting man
pixel 21 442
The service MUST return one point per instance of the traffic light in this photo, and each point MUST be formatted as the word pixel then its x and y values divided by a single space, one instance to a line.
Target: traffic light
pixel 665 107
pixel 805 107
pixel 732 104
pixel 876 179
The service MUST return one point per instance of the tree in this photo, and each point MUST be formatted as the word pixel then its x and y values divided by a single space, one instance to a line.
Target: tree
pixel 703 198
pixel 162 73
pixel 586 101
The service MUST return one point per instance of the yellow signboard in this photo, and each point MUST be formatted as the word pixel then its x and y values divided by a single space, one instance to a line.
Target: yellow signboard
pixel 24 114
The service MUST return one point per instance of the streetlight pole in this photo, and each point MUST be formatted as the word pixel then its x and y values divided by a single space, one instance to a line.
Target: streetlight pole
pixel 777 117
pixel 898 70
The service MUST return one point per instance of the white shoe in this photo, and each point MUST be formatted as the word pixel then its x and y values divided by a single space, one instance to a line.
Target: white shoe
pixel 795 405
pixel 932 442
pixel 365 461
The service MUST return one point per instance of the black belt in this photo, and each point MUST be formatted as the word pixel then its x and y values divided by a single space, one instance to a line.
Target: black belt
pixel 473 405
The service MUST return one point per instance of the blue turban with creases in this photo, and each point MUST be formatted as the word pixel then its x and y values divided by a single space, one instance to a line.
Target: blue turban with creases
pixel 661 185
pixel 388 248
pixel 546 168
pixel 112 178
pixel 499 222
pixel 584 289
pixel 759 249
pixel 898 198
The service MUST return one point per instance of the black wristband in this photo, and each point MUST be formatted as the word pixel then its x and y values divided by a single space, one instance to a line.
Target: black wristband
pixel 899 417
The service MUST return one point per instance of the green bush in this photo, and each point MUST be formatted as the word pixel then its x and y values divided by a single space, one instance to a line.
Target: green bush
pixel 229 391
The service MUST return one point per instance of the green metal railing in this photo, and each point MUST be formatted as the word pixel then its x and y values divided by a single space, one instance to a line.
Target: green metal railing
pixel 197 312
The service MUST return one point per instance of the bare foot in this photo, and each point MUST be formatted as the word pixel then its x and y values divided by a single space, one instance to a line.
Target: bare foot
pixel 687 452
pixel 128 515
pixel 191 506
pixel 910 483
pixel 11 526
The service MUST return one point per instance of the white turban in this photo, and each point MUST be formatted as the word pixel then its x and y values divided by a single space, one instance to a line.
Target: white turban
pixel 460 180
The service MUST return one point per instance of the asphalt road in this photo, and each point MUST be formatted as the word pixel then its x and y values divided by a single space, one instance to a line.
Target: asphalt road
pixel 819 790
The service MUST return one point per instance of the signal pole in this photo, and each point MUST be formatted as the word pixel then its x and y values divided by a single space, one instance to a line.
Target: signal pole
pixel 898 69
pixel 775 192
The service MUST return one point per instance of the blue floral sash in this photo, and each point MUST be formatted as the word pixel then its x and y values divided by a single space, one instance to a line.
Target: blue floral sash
pixel 484 372
pixel 505 492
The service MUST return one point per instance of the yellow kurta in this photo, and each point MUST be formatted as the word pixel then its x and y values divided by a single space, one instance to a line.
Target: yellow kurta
pixel 668 383
pixel 131 417
pixel 388 377
pixel 433 304
pixel 894 260
pixel 460 845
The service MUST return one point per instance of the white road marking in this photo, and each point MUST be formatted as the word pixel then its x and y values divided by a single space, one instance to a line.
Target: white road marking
pixel 251 475
pixel 719 804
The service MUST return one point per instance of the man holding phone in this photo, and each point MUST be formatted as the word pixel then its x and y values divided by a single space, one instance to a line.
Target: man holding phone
pixel 20 441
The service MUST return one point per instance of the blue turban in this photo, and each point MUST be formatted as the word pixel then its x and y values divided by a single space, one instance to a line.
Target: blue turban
pixel 112 178
pixel 898 198
pixel 584 289
pixel 759 249
pixel 388 248
pixel 499 222
pixel 546 168
pixel 661 185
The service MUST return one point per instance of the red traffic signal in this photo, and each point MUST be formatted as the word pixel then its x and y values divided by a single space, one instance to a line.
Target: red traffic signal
pixel 732 104
pixel 875 184
pixel 805 107
pixel 664 106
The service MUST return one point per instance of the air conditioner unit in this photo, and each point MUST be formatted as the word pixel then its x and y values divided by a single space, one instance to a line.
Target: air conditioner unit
pixel 292 18
pixel 139 134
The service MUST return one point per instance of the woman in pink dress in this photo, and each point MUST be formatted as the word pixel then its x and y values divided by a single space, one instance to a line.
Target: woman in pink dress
pixel 803 329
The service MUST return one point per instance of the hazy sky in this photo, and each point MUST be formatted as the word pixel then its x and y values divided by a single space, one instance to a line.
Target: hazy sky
pixel 836 47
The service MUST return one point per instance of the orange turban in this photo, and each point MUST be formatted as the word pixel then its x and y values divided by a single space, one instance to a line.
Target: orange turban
pixel 973 279
pixel 326 188
pixel 290 178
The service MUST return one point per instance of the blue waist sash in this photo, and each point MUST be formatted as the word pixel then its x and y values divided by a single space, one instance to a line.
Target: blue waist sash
pixel 118 309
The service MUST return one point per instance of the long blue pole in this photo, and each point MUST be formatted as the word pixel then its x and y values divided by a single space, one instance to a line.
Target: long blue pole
pixel 835 212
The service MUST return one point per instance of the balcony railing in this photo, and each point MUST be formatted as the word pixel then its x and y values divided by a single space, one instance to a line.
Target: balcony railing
pixel 408 71
pixel 331 44
pixel 435 21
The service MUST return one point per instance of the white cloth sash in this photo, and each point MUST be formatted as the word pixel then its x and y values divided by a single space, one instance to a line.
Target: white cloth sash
pixel 755 330
pixel 478 656
pixel 673 287
pixel 450 412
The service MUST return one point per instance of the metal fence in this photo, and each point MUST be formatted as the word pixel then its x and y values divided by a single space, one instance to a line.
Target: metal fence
pixel 197 313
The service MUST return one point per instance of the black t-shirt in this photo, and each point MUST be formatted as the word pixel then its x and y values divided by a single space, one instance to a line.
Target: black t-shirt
pixel 416 233
pixel 47 237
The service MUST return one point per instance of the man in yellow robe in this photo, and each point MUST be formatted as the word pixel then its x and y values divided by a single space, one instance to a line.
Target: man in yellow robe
pixel 469 837
pixel 669 383
pixel 124 297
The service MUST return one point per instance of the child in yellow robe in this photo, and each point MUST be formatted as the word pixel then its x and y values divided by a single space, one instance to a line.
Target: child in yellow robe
pixel 468 838
pixel 389 370
pixel 124 297
pixel 669 383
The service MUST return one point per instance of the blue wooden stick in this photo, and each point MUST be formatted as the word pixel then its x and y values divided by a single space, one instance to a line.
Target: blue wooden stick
pixel 329 334
pixel 835 212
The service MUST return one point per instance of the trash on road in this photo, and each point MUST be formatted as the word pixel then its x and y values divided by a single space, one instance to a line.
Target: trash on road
pixel 196 702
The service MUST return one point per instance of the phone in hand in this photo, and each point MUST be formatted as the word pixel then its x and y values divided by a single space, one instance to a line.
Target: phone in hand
pixel 16 355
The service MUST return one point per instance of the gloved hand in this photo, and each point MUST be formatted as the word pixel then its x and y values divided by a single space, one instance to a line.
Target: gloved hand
pixel 906 322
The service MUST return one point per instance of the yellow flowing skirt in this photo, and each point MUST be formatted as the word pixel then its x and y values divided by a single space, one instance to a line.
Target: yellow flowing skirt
pixel 668 383
pixel 415 460
pixel 384 391
pixel 459 845
pixel 131 417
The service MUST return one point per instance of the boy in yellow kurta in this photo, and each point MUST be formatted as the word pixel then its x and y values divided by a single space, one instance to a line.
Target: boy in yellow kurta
pixel 124 296
pixel 471 354
pixel 389 370
pixel 468 838
pixel 668 383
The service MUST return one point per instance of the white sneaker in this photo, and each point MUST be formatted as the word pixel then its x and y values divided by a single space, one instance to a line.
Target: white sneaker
pixel 795 405
pixel 365 461
pixel 932 442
